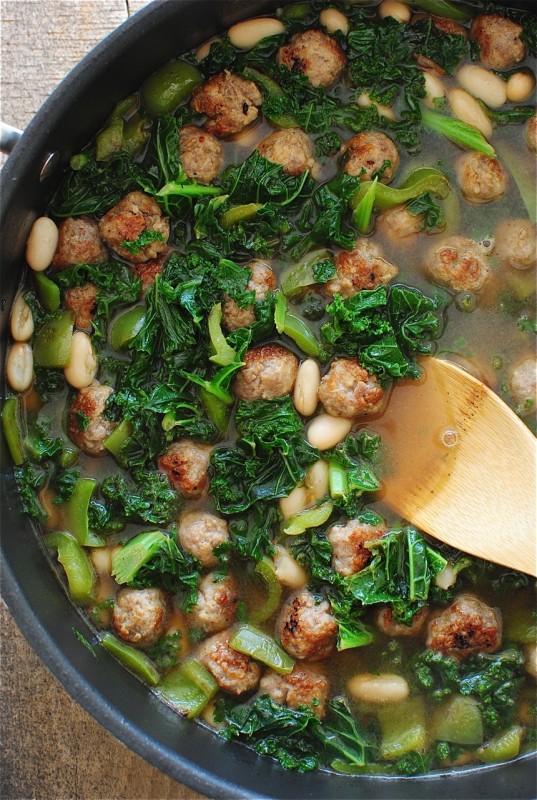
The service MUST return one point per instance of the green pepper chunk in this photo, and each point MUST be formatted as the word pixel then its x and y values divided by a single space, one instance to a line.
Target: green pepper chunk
pixel 502 747
pixel 256 644
pixel 456 131
pixel 52 342
pixel 459 721
pixel 109 140
pixel 224 354
pixel 48 292
pixel 403 728
pixel 217 411
pixel 265 569
pixel 77 565
pixel 170 86
pixel 133 659
pixel 126 326
pixel 280 310
pixel 68 457
pixel 309 518
pixel 361 218
pixel 421 179
pixel 75 512
pixel 135 134
pixel 301 276
pixel 13 428
pixel 134 554
pixel 118 437
pixel 237 214
pixel 188 688
pixel 301 334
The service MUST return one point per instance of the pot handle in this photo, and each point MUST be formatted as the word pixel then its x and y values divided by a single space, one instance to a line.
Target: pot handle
pixel 9 137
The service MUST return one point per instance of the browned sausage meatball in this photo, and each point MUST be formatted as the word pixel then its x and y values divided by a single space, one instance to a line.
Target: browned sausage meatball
pixel 348 390
pixel 262 281
pixel 79 242
pixel 385 622
pixel 269 371
pixel 81 300
pixel 291 148
pixel 363 267
pixel 148 271
pixel 523 385
pixel 398 222
pixel 132 216
pixel 367 154
pixel 229 101
pixel 306 626
pixel 481 178
pixel 316 55
pixel 187 465
pixel 202 155
pixel 465 627
pixel 216 604
pixel 89 404
pixel 531 134
pixel 234 672
pixel 498 39
pixel 140 616
pixel 301 687
pixel 349 551
pixel 200 532
pixel 458 264
pixel 515 243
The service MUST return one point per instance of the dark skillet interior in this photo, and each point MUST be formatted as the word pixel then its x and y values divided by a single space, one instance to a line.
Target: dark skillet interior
pixel 114 697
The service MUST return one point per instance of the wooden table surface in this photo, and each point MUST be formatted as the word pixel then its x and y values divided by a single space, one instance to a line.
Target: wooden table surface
pixel 51 749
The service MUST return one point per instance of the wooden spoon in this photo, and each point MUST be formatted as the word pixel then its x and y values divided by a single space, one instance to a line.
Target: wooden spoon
pixel 463 465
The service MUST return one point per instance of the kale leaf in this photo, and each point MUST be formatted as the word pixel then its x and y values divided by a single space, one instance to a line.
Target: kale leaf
pixel 96 186
pixel 166 651
pixel 149 499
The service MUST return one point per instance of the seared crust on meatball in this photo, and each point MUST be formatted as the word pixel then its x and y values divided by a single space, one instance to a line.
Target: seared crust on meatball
pixel 458 264
pixel 531 134
pixel 125 222
pixel 200 532
pixel 291 148
pixel 79 242
pixel 140 616
pixel 202 155
pixel 300 688
pixel 515 243
pixel 216 604
pixel 148 271
pixel 399 223
pixel 90 403
pixel 385 622
pixel 81 300
pixel 234 672
pixel 363 267
pixel 314 54
pixel 523 385
pixel 187 466
pixel 269 371
pixel 366 154
pixel 349 551
pixel 481 178
pixel 262 281
pixel 306 626
pixel 498 39
pixel 465 627
pixel 229 101
pixel 348 390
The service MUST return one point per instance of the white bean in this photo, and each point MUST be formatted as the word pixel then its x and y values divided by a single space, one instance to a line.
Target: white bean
pixel 102 559
pixel 307 384
pixel 22 321
pixel 333 20
pixel 203 50
pixel 288 571
pixel 316 481
pixel 296 501
pixel 20 366
pixel 483 84
pixel 467 109
pixel 434 89
pixel 42 243
pixel 82 366
pixel 446 577
pixel 249 32
pixel 392 8
pixel 326 431
pixel 520 85
pixel 378 689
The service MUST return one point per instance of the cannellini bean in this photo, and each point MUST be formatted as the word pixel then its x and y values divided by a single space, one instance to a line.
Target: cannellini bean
pixel 530 658
pixel 483 84
pixel 445 578
pixel 288 571
pixel 296 501
pixel 203 50
pixel 307 384
pixel 434 89
pixel 467 109
pixel 520 85
pixel 42 243
pixel 391 8
pixel 102 559
pixel 20 366
pixel 333 20
pixel 22 320
pixel 378 689
pixel 316 481
pixel 364 101
pixel 82 366
pixel 326 431
pixel 249 32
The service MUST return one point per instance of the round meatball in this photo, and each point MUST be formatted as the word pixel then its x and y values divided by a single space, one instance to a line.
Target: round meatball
pixel 79 242
pixel 202 155
pixel 306 627
pixel 385 622
pixel 81 300
pixel 523 385
pixel 291 148
pixel 126 222
pixel 89 404
pixel 315 55
pixel 269 371
pixel 481 178
pixel 148 271
pixel 234 672
pixel 498 39
pixel 363 267
pixel 398 222
pixel 515 243
pixel 216 604
pixel 301 687
pixel 229 102
pixel 458 264
pixel 262 281
pixel 348 390
pixel 349 551
pixel 465 627
pixel 141 616
pixel 187 466
pixel 200 532
pixel 367 154
pixel 531 134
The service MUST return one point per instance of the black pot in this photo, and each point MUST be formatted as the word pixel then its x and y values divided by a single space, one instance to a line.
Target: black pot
pixel 36 599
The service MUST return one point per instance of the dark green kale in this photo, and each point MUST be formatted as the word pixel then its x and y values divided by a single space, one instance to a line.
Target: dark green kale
pixel 30 480
pixel 95 186
pixel 328 144
pixel 48 381
pixel 39 445
pixel 426 204
pixel 258 180
pixel 166 651
pixel 64 482
pixel 445 49
pixel 356 476
pixel 149 498
pixel 102 519
pixel 435 673
pixel 495 680
pixel 146 237
pixel 510 116
pixel 252 534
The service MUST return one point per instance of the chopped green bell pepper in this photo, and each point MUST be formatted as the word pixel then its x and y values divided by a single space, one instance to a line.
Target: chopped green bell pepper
pixel 403 728
pixel 256 644
pixel 188 688
pixel 118 437
pixel 421 179
pixel 134 554
pixel 48 292
pixel 77 565
pixel 456 131
pixel 75 512
pixel 265 569
pixel 237 214
pixel 296 329
pixel 218 412
pixel 502 747
pixel 301 275
pixel 224 354
pixel 52 342
pixel 309 518
pixel 458 721
pixel 361 217
pixel 13 426
pixel 125 327
pixel 133 659
pixel 170 86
